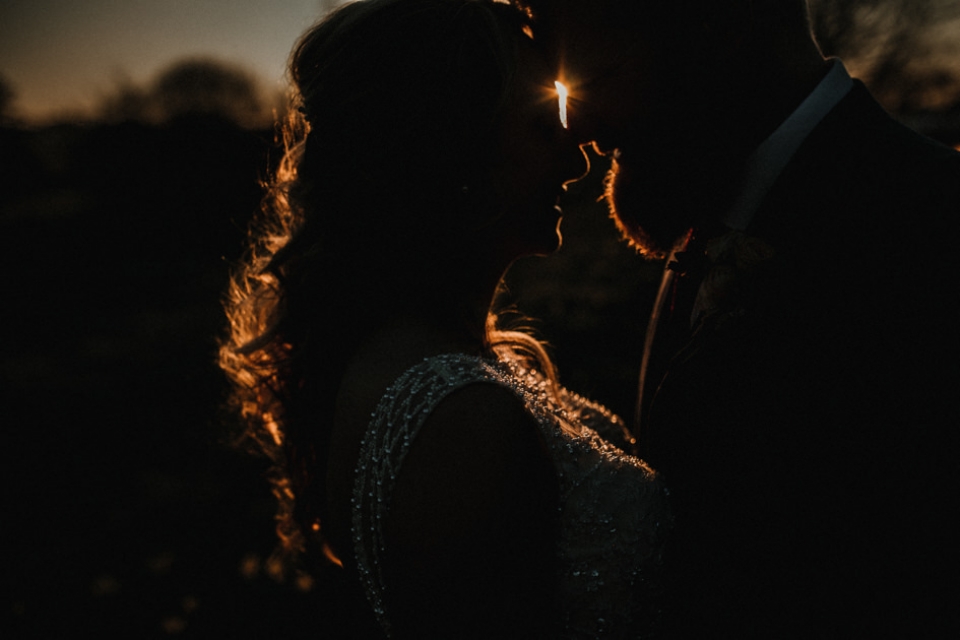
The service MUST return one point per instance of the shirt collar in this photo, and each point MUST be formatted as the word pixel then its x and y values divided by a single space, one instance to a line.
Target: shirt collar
pixel 768 160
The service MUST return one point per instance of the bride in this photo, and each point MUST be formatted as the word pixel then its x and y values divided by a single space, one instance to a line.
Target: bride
pixel 424 449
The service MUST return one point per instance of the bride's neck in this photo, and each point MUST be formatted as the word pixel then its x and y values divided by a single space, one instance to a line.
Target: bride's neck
pixel 452 320
pixel 444 306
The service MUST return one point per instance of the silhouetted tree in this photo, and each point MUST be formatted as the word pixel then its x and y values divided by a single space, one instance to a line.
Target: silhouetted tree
pixel 127 102
pixel 204 86
pixel 6 101
pixel 199 86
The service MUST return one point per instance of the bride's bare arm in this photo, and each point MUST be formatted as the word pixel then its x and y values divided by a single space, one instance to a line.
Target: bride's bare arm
pixel 470 539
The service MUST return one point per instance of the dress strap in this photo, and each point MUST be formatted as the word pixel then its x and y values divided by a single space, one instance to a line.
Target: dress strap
pixel 398 418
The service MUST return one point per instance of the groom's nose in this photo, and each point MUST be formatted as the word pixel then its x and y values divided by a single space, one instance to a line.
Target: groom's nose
pixel 592 133
pixel 587 128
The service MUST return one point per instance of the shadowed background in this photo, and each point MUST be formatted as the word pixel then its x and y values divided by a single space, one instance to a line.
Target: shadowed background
pixel 127 186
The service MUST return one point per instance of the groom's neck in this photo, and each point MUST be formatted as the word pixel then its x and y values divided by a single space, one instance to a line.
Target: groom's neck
pixel 756 97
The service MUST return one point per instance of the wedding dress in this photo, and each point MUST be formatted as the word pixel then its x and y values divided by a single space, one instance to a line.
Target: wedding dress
pixel 613 512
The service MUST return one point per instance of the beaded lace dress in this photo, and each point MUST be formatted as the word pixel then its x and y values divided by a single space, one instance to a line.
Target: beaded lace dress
pixel 613 512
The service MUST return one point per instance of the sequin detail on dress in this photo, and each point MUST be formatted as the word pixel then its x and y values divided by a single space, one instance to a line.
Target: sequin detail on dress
pixel 613 512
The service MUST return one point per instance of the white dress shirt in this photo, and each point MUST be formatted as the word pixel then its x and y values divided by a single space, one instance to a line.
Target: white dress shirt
pixel 768 160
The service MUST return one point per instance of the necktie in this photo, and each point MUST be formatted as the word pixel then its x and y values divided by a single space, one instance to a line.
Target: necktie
pixel 670 321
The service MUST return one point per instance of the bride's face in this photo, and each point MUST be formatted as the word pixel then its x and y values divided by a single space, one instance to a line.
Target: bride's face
pixel 537 156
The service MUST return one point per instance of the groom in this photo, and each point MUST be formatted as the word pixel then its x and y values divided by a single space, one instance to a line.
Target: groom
pixel 802 374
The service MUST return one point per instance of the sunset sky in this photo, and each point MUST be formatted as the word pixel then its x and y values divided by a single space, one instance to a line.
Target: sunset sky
pixel 61 55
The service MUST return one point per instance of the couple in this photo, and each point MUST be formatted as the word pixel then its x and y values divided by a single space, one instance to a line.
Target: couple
pixel 800 378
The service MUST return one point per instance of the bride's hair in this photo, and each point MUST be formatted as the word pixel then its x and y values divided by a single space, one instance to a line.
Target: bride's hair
pixel 387 147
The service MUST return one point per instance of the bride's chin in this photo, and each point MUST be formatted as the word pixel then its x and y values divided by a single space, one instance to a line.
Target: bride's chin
pixel 549 241
pixel 547 245
pixel 557 240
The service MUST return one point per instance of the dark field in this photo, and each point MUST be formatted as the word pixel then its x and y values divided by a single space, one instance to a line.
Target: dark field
pixel 127 513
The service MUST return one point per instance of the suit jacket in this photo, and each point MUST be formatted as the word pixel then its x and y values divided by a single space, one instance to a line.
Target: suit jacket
pixel 808 432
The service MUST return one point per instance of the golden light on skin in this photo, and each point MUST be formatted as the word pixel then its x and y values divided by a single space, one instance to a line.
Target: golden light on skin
pixel 562 94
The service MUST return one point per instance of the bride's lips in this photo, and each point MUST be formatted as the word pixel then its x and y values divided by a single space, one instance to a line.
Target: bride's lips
pixel 556 206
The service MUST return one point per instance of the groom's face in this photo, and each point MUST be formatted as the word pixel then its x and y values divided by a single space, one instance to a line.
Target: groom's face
pixel 625 97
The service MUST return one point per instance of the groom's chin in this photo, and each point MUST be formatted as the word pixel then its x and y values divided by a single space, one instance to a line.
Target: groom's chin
pixel 646 219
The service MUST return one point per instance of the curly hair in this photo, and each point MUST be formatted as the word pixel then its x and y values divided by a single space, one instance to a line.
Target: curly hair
pixel 395 105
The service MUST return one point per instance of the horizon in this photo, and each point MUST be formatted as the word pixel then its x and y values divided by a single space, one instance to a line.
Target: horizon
pixel 103 46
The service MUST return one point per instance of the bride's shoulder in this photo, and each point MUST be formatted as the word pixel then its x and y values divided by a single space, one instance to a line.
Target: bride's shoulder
pixel 477 447
pixel 468 404
pixel 450 405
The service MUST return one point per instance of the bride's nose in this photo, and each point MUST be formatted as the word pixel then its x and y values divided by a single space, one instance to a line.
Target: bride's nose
pixel 573 163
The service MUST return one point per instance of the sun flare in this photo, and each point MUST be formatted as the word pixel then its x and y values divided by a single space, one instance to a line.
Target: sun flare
pixel 562 99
